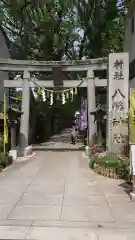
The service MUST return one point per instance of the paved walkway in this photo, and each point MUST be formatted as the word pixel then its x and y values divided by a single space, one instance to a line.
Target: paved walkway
pixel 54 195
pixel 60 142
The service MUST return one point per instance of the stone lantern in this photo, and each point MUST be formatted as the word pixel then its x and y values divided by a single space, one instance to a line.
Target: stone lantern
pixel 14 115
pixel 100 119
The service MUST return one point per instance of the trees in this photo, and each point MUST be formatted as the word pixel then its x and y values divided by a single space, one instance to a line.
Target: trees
pixel 62 29
pixel 42 31
pixel 103 27
pixel 57 29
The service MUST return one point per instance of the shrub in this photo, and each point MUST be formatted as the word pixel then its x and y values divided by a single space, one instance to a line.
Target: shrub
pixel 5 160
pixel 110 161
pixel 91 163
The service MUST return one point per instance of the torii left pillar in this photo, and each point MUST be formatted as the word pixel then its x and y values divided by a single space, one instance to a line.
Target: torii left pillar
pixel 91 107
pixel 25 149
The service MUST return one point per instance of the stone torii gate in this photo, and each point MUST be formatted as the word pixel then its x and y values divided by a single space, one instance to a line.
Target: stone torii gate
pixel 117 79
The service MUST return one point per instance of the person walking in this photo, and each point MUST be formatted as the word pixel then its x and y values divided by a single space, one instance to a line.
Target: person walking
pixel 73 134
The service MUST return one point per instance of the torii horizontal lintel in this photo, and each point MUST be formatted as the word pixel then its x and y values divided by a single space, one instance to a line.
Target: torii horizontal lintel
pixel 50 84
pixel 46 66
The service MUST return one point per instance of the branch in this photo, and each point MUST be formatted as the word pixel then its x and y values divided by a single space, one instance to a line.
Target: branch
pixel 5 36
pixel 82 44
pixel 12 30
pixel 10 22
pixel 60 15
pixel 91 16
pixel 4 4
pixel 26 4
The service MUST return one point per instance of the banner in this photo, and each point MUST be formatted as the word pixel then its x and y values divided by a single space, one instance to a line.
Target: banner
pixel 83 115
pixel 5 123
pixel 132 116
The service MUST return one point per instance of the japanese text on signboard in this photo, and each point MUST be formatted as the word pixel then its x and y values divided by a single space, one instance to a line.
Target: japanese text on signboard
pixel 118 70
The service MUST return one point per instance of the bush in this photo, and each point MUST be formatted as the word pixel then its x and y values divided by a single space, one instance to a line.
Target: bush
pixel 5 160
pixel 112 162
pixel 91 163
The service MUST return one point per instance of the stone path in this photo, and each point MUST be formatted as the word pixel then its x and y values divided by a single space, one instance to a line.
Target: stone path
pixel 54 195
pixel 59 142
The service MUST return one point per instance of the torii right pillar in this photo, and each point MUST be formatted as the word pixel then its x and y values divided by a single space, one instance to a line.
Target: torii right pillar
pixel 117 120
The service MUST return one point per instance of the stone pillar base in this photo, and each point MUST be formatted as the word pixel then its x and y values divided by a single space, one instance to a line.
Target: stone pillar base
pixel 87 151
pixel 132 196
pixel 25 152
pixel 13 154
